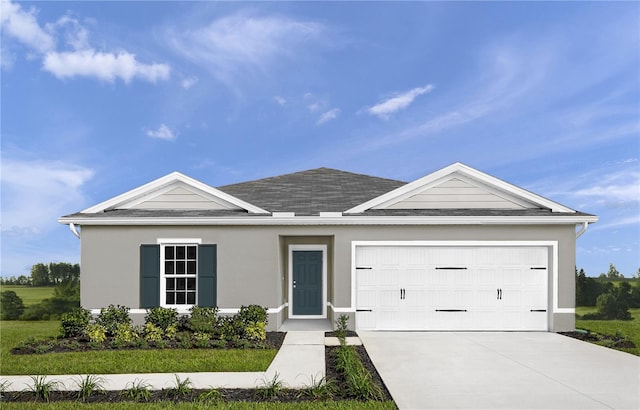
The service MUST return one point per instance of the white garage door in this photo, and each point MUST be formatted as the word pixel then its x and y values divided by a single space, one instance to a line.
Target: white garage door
pixel 451 288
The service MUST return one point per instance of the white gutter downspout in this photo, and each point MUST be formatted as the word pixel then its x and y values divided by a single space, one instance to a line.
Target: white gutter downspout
pixel 72 228
pixel 582 230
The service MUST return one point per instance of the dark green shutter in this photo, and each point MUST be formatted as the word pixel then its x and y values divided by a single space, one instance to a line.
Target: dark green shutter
pixel 207 268
pixel 149 276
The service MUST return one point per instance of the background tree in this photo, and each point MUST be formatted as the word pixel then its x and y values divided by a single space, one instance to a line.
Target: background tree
pixel 11 306
pixel 613 272
pixel 40 275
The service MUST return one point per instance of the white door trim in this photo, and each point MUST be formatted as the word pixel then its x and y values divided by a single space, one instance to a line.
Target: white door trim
pixel 552 244
pixel 322 248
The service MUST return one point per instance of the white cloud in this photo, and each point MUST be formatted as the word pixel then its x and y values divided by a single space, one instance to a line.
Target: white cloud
pixel 23 26
pixel 280 100
pixel 104 66
pixel 328 116
pixel 618 187
pixel 83 60
pixel 163 132
pixel 399 102
pixel 36 193
pixel 241 44
pixel 189 82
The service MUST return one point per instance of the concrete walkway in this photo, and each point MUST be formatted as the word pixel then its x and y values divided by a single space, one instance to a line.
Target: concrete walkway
pixel 502 370
pixel 300 358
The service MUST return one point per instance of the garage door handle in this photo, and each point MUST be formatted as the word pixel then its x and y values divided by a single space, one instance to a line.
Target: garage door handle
pixel 499 297
pixel 538 310
pixel 364 310
pixel 451 268
pixel 451 310
pixel 363 267
pixel 538 268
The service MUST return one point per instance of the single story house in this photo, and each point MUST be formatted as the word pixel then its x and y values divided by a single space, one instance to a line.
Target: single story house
pixel 455 250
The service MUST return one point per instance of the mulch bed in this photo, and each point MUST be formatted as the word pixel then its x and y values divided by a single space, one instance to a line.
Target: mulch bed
pixel 274 339
pixel 607 340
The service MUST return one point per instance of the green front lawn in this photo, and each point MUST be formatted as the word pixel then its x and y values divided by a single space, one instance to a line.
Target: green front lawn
pixel 119 361
pixel 630 329
pixel 30 295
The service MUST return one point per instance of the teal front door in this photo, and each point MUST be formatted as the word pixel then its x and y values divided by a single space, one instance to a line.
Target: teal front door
pixel 307 282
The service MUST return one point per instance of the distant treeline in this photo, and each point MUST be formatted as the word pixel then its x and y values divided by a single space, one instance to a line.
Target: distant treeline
pixel 50 274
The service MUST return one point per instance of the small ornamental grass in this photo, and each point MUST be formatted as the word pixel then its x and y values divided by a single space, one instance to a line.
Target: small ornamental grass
pixel 42 388
pixel 270 389
pixel 181 388
pixel 137 390
pixel 89 385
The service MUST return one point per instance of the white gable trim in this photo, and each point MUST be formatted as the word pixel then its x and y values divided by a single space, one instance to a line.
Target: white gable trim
pixel 135 196
pixel 460 170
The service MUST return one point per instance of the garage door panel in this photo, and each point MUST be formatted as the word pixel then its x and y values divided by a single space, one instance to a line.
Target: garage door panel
pixel 501 288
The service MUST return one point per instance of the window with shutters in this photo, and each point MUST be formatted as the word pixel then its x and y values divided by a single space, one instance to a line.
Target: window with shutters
pixel 178 275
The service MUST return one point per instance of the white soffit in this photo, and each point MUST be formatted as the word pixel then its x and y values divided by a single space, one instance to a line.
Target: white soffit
pixel 174 187
pixel 500 192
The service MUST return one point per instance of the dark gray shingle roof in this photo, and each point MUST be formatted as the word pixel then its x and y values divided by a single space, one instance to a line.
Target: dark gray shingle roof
pixel 313 191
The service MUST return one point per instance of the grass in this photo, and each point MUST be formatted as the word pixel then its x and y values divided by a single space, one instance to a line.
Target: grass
pixel 30 295
pixel 330 405
pixel 119 361
pixel 627 328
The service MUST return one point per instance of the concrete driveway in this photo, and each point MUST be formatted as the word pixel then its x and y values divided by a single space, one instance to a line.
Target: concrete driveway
pixel 427 370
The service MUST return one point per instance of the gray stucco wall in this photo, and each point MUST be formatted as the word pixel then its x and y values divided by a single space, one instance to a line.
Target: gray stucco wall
pixel 252 266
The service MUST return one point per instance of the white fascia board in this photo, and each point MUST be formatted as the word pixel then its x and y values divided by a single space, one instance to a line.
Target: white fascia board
pixel 135 193
pixel 463 170
pixel 344 220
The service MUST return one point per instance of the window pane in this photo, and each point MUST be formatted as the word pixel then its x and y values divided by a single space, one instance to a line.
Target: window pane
pixel 180 253
pixel 171 300
pixel 168 252
pixel 168 267
pixel 191 283
pixel 191 298
pixel 191 252
pixel 180 299
pixel 180 267
pixel 181 284
pixel 170 283
pixel 191 267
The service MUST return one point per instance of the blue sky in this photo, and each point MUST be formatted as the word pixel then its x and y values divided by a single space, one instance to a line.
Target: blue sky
pixel 101 97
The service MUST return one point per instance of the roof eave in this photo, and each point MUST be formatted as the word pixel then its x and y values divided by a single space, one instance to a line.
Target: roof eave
pixel 342 220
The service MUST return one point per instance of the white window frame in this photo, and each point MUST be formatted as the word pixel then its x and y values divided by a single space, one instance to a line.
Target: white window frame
pixel 163 285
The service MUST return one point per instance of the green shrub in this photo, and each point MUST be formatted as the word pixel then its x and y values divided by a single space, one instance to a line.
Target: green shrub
pixel 96 333
pixel 256 331
pixel 341 328
pixel 75 322
pixel 202 319
pixel 11 306
pixel 50 309
pixel 201 340
pixel 152 333
pixel 184 340
pixel 162 317
pixel 112 316
pixel 230 328
pixel 610 307
pixel 252 313
pixel 125 334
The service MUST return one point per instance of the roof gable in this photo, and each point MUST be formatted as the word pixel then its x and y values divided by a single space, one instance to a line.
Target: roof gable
pixel 459 187
pixel 177 192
